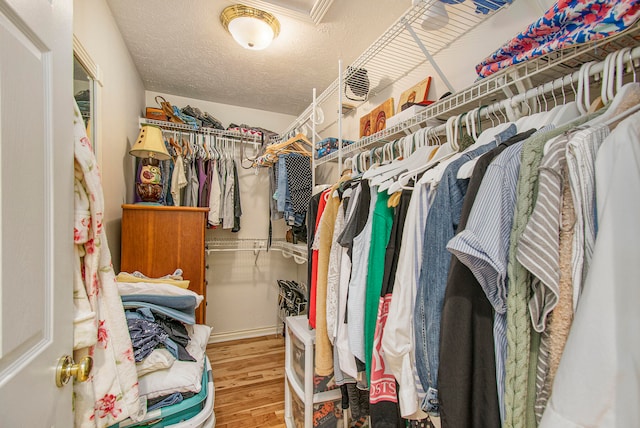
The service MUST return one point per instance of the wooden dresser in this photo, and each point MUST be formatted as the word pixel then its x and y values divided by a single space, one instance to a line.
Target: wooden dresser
pixel 157 240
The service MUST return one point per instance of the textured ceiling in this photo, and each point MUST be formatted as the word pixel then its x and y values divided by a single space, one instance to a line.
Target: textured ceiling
pixel 180 48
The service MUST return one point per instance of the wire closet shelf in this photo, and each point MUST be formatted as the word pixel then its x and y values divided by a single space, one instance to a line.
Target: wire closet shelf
pixel 253 139
pixel 399 53
pixel 289 250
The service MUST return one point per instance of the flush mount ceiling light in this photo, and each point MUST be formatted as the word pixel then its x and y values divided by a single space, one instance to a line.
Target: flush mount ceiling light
pixel 251 28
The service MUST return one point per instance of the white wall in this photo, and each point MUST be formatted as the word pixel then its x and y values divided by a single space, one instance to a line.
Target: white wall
pixel 227 114
pixel 121 102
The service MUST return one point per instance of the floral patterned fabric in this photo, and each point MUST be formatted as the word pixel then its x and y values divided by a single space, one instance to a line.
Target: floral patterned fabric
pixel 567 23
pixel 111 393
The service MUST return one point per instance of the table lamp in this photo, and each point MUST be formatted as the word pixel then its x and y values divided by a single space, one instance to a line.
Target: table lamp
pixel 149 147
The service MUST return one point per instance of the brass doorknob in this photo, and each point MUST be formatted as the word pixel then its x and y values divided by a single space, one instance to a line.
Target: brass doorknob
pixel 67 369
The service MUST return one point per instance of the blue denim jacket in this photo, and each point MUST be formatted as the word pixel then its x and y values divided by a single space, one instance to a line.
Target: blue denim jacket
pixel 442 222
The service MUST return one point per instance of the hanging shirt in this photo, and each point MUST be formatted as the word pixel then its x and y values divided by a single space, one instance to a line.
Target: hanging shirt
pixel 191 190
pixel 554 337
pixel 228 211
pixel 324 351
pixel 178 180
pixel 467 371
pixel 380 231
pixel 324 196
pixel 522 343
pixel 385 411
pixel 203 189
pixel 237 207
pixel 358 283
pixel 608 313
pixel 345 356
pixel 442 222
pixel 333 277
pixel 213 218
pixel 299 186
pixel 581 162
pixel 283 186
pixel 398 340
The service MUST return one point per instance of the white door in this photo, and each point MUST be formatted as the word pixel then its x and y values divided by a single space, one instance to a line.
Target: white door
pixel 36 206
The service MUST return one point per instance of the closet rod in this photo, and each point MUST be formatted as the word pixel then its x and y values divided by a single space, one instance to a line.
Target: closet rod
pixel 297 251
pixel 177 127
pixel 596 68
pixel 545 88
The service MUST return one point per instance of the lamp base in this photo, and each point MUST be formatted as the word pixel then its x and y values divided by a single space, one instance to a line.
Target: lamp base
pixel 149 192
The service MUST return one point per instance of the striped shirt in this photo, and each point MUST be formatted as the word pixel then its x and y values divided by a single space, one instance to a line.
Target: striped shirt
pixel 538 249
pixel 581 158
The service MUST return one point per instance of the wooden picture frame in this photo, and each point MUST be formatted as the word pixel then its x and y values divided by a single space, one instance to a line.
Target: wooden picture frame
pixel 376 119
pixel 365 125
pixel 380 114
pixel 416 94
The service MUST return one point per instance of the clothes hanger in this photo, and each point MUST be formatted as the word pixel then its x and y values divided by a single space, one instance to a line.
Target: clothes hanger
pixel 620 67
pixel 629 95
pixel 175 146
pixel 548 117
pixel 434 174
pixel 584 96
pixel 381 167
pixel 388 171
pixel 415 160
pixel 522 122
pixel 612 122
pixel 404 177
pixel 604 88
pixel 487 136
pixel 633 66
pixel 569 111
pixel 292 145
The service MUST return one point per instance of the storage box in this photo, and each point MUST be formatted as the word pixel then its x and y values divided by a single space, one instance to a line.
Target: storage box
pixel 195 411
pixel 155 114
pixel 407 113
pixel 327 414
pixel 320 383
pixel 417 94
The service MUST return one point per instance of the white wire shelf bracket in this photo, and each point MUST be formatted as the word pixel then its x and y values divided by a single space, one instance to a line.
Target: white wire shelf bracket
pixel 405 47
pixel 497 87
pixel 182 127
pixel 289 250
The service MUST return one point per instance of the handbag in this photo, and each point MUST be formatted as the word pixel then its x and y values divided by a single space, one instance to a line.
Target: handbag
pixel 155 114
pixel 167 108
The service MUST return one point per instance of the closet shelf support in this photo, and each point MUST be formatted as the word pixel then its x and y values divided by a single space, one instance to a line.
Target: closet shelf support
pixel 430 58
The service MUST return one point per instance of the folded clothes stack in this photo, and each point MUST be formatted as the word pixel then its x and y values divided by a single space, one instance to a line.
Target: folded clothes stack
pixel 328 146
pixel 252 131
pixel 204 119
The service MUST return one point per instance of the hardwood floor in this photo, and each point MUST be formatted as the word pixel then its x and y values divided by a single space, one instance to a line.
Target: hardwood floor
pixel 248 376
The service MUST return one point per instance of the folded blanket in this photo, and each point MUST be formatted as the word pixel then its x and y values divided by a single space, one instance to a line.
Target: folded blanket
pixel 181 308
pixel 567 23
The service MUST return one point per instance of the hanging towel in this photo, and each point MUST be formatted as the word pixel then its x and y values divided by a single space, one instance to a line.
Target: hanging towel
pixel 111 394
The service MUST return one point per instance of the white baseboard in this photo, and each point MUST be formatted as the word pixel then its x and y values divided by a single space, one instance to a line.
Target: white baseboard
pixel 244 334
